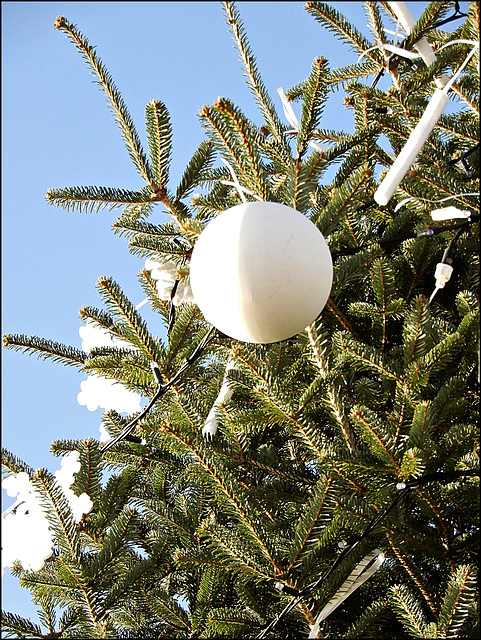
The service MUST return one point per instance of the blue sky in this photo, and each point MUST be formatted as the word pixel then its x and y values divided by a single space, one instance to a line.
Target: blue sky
pixel 57 131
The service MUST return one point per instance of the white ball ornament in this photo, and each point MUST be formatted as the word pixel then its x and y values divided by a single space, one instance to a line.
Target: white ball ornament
pixel 261 272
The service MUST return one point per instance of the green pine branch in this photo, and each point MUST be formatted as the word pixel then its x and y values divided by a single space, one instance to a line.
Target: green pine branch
pixel 159 133
pixel 314 95
pixel 92 199
pixel 117 104
pixel 135 327
pixel 45 349
pixel 254 80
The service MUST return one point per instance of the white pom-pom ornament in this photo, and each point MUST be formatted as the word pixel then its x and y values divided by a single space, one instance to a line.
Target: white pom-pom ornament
pixel 261 272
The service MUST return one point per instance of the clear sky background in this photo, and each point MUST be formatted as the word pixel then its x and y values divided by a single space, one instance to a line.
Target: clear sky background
pixel 57 131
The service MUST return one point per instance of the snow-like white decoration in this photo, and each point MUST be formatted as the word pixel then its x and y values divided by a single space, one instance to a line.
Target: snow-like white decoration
pixel 165 274
pixel 211 424
pixel 97 392
pixel 69 466
pixel 26 534
pixel 104 434
pixel 94 336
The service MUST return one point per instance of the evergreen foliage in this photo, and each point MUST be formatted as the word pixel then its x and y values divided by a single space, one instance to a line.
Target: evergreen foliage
pixel 188 537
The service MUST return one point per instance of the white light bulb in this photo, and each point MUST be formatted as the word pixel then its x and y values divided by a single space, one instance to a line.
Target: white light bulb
pixel 448 213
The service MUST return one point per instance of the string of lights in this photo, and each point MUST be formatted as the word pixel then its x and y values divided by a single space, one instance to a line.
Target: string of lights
pixel 463 160
pixel 348 546
pixel 431 231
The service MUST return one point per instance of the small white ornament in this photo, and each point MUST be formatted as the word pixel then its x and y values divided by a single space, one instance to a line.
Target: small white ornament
pixel 225 394
pixel 165 274
pixel 261 272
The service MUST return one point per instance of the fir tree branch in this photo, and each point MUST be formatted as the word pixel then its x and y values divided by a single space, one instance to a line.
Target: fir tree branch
pixel 159 132
pixel 197 169
pixel 217 475
pixel 119 305
pixel 45 349
pixel 246 133
pixel 13 464
pixel 58 511
pixel 333 396
pixel 335 22
pixel 119 109
pixel 92 199
pixel 308 524
pixel 22 627
pixel 254 80
pixel 413 572
pixel 314 99
pixel 460 593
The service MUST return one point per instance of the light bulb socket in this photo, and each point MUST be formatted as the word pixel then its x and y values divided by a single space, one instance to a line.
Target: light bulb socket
pixel 443 273
pixel 285 589
pixel 156 372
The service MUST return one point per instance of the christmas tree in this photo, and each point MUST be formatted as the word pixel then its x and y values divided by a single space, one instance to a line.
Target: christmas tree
pixel 264 482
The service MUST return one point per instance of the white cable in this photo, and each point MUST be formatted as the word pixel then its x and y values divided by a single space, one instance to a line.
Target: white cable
pixel 236 182
pixel 364 570
pixel 294 122
pixel 461 68
pixel 141 304
pixel 288 111
pixel 392 49
pixel 233 184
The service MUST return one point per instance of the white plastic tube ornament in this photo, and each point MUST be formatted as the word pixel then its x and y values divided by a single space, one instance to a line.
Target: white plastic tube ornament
pixel 419 136
pixel 225 394
pixel 449 213
pixel 364 570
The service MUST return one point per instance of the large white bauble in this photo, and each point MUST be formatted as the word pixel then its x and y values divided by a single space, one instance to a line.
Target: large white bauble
pixel 261 272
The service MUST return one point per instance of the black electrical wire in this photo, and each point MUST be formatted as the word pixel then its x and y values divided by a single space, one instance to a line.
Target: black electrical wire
pixel 161 390
pixel 393 58
pixel 432 231
pixel 404 488
pixel 172 313
pixel 456 15
pixel 463 160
